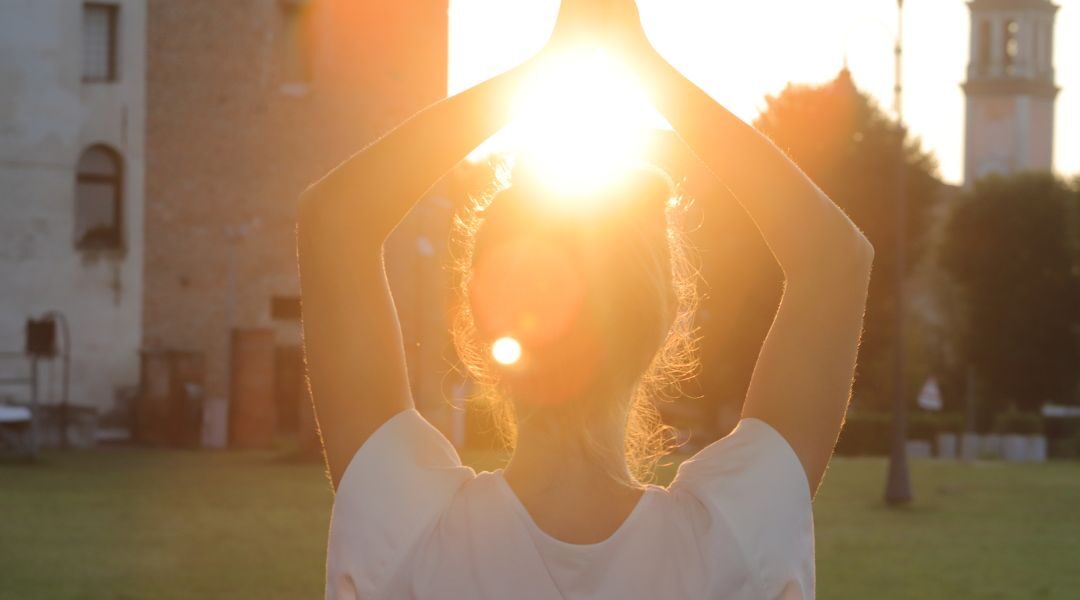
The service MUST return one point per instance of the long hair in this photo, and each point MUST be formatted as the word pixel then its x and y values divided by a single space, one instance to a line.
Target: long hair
pixel 602 295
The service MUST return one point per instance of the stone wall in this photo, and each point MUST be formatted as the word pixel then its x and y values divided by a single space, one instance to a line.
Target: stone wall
pixel 48 117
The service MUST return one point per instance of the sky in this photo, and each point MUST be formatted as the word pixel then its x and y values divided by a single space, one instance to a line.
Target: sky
pixel 741 51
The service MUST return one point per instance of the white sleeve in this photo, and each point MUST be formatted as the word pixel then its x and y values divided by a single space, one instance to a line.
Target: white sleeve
pixel 398 482
pixel 755 483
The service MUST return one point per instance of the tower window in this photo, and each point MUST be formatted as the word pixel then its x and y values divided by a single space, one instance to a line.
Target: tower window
pixel 1042 43
pixel 984 44
pixel 98 198
pixel 1012 45
pixel 99 33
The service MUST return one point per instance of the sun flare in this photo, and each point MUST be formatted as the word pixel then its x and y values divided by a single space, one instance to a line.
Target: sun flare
pixel 506 351
pixel 579 122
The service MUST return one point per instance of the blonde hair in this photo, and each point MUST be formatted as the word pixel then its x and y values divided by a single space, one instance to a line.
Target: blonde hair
pixel 646 437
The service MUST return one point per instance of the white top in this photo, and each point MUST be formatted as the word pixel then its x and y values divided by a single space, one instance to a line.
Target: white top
pixel 410 521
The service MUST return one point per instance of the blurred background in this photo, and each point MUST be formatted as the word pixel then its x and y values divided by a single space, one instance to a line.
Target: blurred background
pixel 156 436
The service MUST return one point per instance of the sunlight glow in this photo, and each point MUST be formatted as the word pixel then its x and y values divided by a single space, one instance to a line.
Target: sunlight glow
pixel 581 120
pixel 739 52
pixel 579 123
pixel 506 351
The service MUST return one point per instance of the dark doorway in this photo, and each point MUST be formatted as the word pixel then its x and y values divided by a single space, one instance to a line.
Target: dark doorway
pixel 288 386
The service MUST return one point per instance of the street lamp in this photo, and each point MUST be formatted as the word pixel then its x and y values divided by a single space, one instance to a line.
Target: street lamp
pixel 898 482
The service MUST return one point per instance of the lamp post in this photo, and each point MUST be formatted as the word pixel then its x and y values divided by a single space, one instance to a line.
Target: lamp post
pixel 898 483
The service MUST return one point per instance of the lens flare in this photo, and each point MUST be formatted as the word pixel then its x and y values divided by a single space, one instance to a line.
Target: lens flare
pixel 579 122
pixel 506 351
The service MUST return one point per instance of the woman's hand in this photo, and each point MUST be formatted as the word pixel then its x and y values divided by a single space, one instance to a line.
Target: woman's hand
pixel 577 23
pixel 624 31
pixel 615 24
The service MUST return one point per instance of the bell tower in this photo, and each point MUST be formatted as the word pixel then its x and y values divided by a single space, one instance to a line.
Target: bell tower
pixel 1010 89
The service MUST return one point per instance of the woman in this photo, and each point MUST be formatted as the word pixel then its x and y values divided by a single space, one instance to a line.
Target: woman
pixel 598 311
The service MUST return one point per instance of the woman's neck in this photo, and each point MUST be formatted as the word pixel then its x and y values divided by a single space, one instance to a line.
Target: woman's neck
pixel 570 492
pixel 558 453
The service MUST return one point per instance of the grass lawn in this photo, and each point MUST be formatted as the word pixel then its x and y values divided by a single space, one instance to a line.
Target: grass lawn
pixel 123 523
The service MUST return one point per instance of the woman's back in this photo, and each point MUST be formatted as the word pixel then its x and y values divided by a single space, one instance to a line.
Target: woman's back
pixel 411 522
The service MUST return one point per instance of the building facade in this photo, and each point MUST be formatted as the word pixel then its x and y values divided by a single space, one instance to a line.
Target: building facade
pixel 249 102
pixel 72 113
pixel 1010 88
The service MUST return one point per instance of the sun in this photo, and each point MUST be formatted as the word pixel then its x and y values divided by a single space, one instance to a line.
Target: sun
pixel 579 122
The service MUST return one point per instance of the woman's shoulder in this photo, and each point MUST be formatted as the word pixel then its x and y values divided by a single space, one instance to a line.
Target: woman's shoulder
pixel 749 488
pixel 405 464
pixel 756 455
pixel 403 477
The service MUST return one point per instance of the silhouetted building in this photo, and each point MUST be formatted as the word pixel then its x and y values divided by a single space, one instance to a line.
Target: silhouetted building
pixel 248 102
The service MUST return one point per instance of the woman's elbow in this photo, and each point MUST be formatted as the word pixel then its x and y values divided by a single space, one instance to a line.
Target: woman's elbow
pixel 857 261
pixel 308 205
pixel 839 261
pixel 864 252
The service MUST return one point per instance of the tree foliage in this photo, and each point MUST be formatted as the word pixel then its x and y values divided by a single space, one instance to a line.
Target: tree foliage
pixel 1011 247
pixel 849 146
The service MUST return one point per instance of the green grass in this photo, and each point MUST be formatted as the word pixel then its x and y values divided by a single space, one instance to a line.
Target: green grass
pixel 123 523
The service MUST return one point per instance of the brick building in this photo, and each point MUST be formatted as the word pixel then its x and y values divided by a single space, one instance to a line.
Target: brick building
pixel 248 101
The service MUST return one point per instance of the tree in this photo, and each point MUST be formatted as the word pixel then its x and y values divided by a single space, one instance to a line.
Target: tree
pixel 848 145
pixel 1010 248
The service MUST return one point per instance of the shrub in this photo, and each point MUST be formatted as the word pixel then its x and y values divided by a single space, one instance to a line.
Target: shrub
pixel 1016 422
pixel 1067 447
pixel 870 433
pixel 865 433
pixel 950 423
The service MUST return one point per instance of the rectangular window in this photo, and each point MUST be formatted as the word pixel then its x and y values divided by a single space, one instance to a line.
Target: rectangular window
pixel 285 308
pixel 99 30
pixel 297 46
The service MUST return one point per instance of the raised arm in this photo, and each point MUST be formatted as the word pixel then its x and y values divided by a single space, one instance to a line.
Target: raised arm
pixel 352 339
pixel 802 380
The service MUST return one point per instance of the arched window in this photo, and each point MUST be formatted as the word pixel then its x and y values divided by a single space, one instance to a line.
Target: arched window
pixel 99 199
